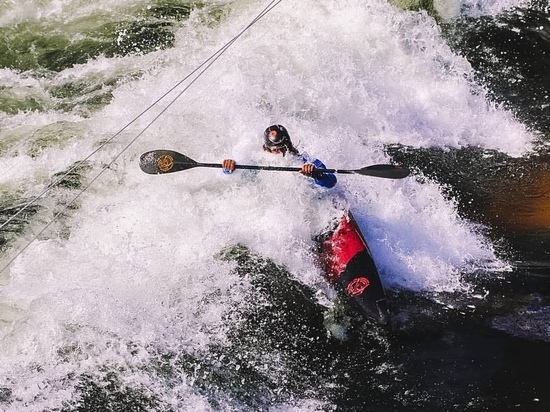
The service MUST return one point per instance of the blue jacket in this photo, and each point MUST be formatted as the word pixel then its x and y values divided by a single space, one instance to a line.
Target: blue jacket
pixel 327 180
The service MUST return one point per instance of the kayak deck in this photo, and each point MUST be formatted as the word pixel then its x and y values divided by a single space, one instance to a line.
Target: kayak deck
pixel 349 266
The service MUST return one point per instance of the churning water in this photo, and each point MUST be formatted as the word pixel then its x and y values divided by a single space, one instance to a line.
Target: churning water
pixel 200 291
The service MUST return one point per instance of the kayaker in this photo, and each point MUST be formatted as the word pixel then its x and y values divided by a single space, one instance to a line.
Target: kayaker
pixel 277 141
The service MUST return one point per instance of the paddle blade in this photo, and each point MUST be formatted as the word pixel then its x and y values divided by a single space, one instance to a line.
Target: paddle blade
pixel 165 161
pixel 385 171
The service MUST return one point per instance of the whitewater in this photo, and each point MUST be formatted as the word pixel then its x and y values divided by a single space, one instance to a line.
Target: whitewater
pixel 131 269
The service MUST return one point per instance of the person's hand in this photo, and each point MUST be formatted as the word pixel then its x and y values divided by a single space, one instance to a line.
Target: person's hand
pixel 308 169
pixel 228 165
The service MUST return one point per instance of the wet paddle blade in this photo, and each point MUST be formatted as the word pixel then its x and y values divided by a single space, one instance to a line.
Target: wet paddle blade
pixel 165 161
pixel 385 171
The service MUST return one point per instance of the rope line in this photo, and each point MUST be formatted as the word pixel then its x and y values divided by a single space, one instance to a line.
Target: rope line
pixel 198 72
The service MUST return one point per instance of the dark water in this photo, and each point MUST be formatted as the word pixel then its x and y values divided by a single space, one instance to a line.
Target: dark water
pixel 496 357
pixel 511 56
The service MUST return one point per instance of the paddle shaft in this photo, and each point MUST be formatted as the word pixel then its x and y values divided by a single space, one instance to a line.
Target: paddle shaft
pixel 254 167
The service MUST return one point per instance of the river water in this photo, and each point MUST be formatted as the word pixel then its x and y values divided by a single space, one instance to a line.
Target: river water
pixel 201 291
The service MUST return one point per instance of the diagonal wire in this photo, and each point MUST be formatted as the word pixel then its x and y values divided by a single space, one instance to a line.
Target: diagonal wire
pixel 198 72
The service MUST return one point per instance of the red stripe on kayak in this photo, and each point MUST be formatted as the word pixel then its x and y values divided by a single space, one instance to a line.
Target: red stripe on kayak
pixel 344 244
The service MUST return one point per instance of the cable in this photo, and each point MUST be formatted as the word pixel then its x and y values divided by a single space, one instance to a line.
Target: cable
pixel 199 71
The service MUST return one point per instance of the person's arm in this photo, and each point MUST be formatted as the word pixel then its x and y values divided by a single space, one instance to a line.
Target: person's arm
pixel 228 166
pixel 313 168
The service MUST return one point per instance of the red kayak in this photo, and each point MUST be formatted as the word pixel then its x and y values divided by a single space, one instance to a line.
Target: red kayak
pixel 350 268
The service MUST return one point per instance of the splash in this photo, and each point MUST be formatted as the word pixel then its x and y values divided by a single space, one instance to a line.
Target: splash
pixel 132 273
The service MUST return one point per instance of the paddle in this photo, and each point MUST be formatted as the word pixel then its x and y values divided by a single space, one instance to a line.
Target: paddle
pixel 169 161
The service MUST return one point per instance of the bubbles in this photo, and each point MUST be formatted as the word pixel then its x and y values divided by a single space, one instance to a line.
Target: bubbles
pixel 452 9
pixel 477 8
